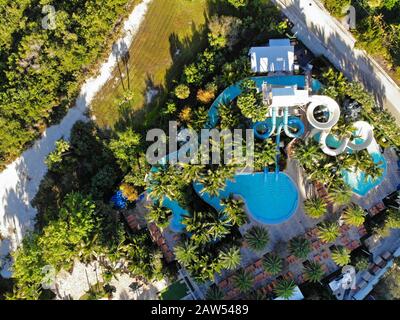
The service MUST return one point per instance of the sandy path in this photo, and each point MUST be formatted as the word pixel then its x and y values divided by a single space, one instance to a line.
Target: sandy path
pixel 19 182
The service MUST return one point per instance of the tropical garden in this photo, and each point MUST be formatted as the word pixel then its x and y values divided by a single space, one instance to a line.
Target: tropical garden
pixel 76 219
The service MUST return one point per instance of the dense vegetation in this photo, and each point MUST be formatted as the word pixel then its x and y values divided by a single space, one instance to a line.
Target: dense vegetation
pixel 41 69
pixel 75 221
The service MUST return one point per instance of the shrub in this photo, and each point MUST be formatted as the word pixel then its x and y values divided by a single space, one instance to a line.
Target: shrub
pixel 182 92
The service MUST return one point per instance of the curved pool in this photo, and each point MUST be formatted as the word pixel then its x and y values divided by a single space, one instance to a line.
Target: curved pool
pixel 269 198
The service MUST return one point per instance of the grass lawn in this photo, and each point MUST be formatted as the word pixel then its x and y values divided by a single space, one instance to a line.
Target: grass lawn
pixel 169 36
pixel 175 291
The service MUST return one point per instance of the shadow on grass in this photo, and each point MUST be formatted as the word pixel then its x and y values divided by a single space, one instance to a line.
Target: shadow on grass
pixel 182 52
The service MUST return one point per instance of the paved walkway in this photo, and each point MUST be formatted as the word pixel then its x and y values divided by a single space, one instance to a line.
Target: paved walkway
pixel 324 35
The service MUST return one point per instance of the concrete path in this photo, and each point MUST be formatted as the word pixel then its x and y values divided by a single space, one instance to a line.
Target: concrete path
pixel 324 35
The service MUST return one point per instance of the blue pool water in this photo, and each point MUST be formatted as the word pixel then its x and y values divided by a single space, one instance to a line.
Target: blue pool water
pixel 357 180
pixel 269 198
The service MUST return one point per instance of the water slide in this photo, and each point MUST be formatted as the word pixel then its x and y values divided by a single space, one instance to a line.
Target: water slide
pixel 364 131
pixel 289 123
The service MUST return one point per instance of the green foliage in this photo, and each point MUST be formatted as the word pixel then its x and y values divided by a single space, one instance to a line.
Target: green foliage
pixel 389 286
pixel 186 253
pixel 300 247
pixel 354 215
pixel 336 7
pixel 341 256
pixel 54 158
pixel 393 219
pixel 41 69
pixel 315 207
pixel 233 209
pixel 214 293
pixel 257 238
pixel 230 258
pixel 272 264
pixel 215 179
pixel 224 31
pixel 314 272
pixel 75 234
pixel 341 194
pixel 205 227
pixel 159 215
pixel 250 102
pixel 238 3
pixel 328 231
pixel 362 263
pixel 243 281
pixel 182 91
pixel 264 154
pixel 285 289
pixel 126 147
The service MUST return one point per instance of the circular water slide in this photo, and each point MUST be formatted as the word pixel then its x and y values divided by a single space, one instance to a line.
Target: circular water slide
pixel 297 124
pixel 332 151
pixel 330 104
pixel 267 129
pixel 364 132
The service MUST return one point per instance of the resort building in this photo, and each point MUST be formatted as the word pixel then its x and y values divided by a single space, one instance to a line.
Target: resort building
pixel 278 56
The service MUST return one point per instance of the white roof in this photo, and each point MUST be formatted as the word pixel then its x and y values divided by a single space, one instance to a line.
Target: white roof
pixel 289 97
pixel 278 56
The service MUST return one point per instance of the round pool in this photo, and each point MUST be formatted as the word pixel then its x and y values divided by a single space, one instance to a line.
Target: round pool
pixel 269 198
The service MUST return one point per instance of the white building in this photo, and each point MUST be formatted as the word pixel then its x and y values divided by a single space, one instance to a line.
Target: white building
pixel 278 56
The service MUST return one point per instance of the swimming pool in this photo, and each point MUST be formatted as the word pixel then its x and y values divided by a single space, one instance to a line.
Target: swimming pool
pixel 357 180
pixel 361 184
pixel 269 198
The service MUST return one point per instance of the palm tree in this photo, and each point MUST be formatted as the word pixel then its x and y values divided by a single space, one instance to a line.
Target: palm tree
pixel 230 259
pixel 315 207
pixel 354 216
pixel 308 154
pixel 217 227
pixel 165 182
pixel 186 253
pixel 272 264
pixel 340 194
pixel 215 180
pixel 341 256
pixel 192 172
pixel 264 154
pixel 257 237
pixel 314 272
pixel 373 170
pixel 214 293
pixel 300 247
pixel 233 209
pixel 243 281
pixel 159 215
pixel 328 231
pixel 285 289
